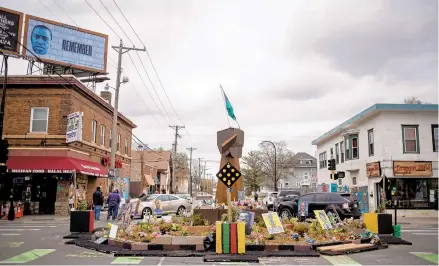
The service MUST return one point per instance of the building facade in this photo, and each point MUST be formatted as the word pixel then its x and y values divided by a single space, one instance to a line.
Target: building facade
pixel 302 173
pixel 390 147
pixel 59 135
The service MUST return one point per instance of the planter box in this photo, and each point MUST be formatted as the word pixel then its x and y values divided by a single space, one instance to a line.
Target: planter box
pixel 81 221
pixel 179 240
pixel 379 223
pixel 195 240
pixel 302 248
pixel 198 229
pixel 286 247
pixel 139 246
pixel 162 240
pixel 255 247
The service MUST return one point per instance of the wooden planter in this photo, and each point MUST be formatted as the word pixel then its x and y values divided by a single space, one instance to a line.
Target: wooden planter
pixel 197 229
pixel 81 221
pixel 379 223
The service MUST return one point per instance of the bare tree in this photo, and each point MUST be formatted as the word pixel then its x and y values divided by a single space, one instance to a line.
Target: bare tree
pixel 252 174
pixel 414 100
pixel 284 160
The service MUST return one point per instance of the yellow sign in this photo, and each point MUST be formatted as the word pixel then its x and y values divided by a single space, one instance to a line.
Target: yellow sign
pixel 272 222
pixel 323 219
pixel 410 168
pixel 228 175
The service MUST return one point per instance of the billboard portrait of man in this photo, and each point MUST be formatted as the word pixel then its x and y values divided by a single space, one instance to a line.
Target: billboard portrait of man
pixel 41 37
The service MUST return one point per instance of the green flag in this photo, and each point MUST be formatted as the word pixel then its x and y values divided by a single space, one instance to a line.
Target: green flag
pixel 229 106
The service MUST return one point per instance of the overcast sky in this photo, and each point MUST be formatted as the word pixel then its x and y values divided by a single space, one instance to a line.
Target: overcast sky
pixel 292 69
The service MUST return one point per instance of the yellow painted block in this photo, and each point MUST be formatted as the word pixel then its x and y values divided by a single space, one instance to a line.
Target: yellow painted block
pixel 371 221
pixel 241 238
pixel 219 233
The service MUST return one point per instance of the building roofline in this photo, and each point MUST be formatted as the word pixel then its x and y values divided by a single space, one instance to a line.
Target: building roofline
pixel 375 109
pixel 65 80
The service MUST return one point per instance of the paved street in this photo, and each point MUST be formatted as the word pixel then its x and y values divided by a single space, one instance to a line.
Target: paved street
pixel 40 242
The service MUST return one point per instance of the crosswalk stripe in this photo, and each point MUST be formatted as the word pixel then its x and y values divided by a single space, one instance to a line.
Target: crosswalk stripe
pixel 127 260
pixel 10 234
pixel 28 256
pixel 431 257
pixel 429 230
pixel 26 229
pixel 340 260
pixel 426 234
pixel 29 226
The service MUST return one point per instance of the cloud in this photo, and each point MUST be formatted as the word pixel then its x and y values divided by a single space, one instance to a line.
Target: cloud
pixel 292 69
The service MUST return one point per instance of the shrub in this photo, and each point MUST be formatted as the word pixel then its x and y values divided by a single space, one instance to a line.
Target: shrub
pixel 176 227
pixel 301 228
pixel 165 227
pixel 146 227
pixel 197 221
pixel 260 222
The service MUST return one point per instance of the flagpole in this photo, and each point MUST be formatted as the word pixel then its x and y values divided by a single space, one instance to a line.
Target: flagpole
pixel 224 98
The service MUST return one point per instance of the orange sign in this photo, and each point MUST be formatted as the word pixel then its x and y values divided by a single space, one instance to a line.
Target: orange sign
pixel 409 168
pixel 373 169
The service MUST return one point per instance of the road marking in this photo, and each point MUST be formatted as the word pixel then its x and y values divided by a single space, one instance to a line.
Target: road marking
pixel 426 234
pixel 14 244
pixel 428 230
pixel 431 257
pixel 127 260
pixel 29 256
pixel 10 234
pixel 340 260
pixel 29 226
pixel 161 261
pixel 30 229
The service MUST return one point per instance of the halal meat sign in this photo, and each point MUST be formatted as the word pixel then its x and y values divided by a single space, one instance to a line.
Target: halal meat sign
pixel 228 175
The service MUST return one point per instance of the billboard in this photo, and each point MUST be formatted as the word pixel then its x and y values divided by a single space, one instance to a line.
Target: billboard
pixel 74 127
pixel 10 22
pixel 61 44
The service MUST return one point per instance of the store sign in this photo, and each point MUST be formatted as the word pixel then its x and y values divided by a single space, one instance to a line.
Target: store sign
pixel 410 168
pixel 373 169
pixel 105 161
pixel 61 44
pixel 74 127
pixel 41 171
pixel 10 22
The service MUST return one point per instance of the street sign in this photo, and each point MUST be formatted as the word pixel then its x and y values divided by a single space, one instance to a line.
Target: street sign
pixel 228 175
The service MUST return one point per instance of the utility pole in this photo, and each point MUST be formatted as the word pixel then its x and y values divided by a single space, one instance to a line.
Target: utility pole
pixel 190 149
pixel 199 172
pixel 204 177
pixel 177 136
pixel 120 50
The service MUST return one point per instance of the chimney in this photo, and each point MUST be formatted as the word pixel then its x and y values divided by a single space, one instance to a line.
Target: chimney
pixel 106 95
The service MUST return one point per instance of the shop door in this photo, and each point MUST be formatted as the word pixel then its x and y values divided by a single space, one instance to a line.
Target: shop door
pixel 47 195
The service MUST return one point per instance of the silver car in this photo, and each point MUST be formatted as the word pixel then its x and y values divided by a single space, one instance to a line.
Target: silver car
pixel 171 204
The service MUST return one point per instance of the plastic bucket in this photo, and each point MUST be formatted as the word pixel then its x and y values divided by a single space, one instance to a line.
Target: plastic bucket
pixel 397 230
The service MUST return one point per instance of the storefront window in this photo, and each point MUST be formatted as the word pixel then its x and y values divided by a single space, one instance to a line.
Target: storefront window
pixel 413 193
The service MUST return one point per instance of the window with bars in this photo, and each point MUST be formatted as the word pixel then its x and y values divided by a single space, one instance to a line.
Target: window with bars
pixel 39 119
pixel 370 141
pixel 337 155
pixel 102 135
pixel 410 138
pixel 94 125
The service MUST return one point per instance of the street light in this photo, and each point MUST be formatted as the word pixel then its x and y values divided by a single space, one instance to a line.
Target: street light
pixel 275 163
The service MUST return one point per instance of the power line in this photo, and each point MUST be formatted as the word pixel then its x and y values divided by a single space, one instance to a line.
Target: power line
pixel 103 20
pixel 152 64
pixel 49 10
pixel 59 6
pixel 117 23
pixel 147 108
pixel 144 84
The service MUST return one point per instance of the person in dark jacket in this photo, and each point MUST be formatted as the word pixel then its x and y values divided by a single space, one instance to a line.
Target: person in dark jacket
pixel 113 205
pixel 98 201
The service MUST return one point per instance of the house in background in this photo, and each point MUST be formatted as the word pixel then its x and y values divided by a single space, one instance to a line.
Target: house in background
pixel 154 167
pixel 302 173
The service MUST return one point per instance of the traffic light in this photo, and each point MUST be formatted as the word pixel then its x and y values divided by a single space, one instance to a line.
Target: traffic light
pixel 4 145
pixel 331 164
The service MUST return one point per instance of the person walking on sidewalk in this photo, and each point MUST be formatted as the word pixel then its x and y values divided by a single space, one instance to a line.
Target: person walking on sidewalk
pixel 113 204
pixel 98 201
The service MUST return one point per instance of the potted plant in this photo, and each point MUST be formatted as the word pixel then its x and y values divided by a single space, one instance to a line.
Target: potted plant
pixel 82 219
pixel 379 222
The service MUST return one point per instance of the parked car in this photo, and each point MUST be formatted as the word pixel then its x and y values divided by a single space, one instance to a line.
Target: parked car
pixel 285 195
pixel 346 208
pixel 269 200
pixel 185 196
pixel 171 204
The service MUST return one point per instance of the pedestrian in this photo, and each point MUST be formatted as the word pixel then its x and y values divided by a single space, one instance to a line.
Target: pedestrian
pixel 113 204
pixel 256 197
pixel 98 201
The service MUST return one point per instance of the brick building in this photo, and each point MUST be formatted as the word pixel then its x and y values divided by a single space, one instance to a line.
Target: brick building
pixel 40 160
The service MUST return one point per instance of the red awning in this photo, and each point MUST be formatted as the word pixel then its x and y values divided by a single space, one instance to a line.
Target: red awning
pixel 54 165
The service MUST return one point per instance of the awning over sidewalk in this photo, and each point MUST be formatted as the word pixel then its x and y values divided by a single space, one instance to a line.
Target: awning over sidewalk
pixel 149 180
pixel 54 165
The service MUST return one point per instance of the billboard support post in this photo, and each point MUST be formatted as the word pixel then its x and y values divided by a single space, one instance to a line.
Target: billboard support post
pixel 120 50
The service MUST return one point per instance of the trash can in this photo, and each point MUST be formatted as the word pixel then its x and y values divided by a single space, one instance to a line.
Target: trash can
pixel 397 230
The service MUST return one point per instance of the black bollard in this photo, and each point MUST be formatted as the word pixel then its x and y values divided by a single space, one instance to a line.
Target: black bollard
pixel 396 207
pixel 11 213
